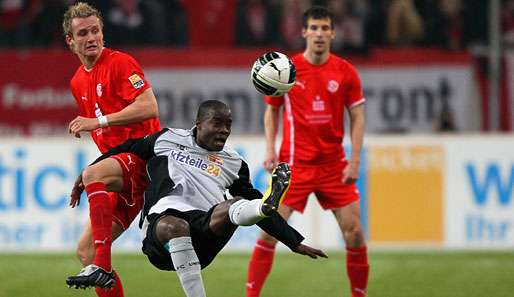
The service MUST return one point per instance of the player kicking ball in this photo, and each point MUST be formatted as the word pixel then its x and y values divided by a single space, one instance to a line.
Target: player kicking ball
pixel 186 217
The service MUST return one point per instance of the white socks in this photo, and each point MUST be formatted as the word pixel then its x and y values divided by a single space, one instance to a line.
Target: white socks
pixel 245 212
pixel 187 266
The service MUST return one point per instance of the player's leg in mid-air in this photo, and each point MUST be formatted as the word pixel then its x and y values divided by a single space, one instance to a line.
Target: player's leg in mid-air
pixel 188 241
pixel 110 214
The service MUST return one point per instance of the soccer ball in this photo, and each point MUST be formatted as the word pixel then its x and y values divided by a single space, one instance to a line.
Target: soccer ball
pixel 273 74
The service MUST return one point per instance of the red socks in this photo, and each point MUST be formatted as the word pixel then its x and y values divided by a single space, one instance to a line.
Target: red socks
pixel 100 213
pixel 261 262
pixel 357 268
pixel 116 291
pixel 259 268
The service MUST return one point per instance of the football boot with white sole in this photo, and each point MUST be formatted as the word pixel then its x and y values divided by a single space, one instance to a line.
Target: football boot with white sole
pixel 91 276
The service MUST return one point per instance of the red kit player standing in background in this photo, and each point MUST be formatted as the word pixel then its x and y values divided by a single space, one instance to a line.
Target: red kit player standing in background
pixel 116 103
pixel 313 129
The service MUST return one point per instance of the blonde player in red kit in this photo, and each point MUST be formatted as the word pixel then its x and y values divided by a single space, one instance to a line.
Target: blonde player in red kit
pixel 115 103
pixel 312 145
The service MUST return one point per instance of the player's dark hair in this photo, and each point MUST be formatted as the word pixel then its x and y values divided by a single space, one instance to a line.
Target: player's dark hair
pixel 317 13
pixel 209 106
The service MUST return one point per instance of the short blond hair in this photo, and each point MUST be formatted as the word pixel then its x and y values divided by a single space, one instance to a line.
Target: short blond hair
pixel 79 10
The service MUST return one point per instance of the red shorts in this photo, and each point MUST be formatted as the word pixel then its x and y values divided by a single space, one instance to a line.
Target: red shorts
pixel 325 182
pixel 127 203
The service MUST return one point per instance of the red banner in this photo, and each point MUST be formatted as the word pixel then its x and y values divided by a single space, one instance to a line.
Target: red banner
pixel 34 93
pixel 34 85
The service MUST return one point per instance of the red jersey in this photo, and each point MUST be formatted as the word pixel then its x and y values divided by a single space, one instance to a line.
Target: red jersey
pixel 114 82
pixel 313 124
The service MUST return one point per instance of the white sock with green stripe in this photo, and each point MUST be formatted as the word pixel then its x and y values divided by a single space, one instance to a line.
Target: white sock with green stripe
pixel 186 265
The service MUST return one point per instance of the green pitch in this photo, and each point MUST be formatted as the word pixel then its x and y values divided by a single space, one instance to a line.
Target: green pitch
pixel 393 274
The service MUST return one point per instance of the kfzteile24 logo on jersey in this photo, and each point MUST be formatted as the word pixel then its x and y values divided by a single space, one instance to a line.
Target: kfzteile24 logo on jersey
pixel 199 163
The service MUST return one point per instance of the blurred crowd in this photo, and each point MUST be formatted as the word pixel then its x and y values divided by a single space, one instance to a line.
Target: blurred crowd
pixel 360 24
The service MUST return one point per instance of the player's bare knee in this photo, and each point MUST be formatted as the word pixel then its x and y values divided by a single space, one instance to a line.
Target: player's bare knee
pixel 220 222
pixel 91 175
pixel 230 201
pixel 170 227
pixel 220 215
pixel 220 212
pixel 351 230
pixel 354 236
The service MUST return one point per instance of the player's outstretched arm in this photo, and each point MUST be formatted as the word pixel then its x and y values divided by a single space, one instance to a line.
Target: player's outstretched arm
pixel 306 250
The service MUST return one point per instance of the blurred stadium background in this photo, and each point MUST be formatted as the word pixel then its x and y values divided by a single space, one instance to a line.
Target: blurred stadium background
pixel 437 177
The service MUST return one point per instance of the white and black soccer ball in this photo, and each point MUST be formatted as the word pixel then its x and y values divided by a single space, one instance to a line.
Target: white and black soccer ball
pixel 273 74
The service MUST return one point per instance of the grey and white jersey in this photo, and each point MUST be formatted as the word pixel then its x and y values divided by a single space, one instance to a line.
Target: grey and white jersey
pixel 201 177
pixel 185 176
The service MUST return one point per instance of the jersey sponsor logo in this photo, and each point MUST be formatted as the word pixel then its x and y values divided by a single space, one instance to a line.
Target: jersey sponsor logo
pixel 136 81
pixel 84 98
pixel 99 90
pixel 98 111
pixel 199 163
pixel 332 86
pixel 318 104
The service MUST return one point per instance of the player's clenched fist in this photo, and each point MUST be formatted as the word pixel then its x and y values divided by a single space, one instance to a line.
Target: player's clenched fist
pixel 80 124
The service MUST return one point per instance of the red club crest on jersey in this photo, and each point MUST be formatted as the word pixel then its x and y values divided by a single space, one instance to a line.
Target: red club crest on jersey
pixel 332 86
pixel 99 90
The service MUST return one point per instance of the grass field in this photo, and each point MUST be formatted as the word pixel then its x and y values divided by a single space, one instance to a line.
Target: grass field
pixel 394 274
